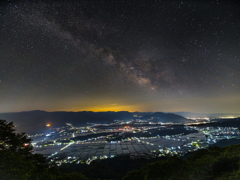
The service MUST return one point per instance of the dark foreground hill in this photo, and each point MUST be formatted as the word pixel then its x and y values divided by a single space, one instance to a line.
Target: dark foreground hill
pixel 31 121
pixel 214 163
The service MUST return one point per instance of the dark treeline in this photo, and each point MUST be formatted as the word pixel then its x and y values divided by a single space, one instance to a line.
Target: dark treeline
pixel 214 163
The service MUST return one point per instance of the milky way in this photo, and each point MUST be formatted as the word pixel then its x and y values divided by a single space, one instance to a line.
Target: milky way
pixel 120 55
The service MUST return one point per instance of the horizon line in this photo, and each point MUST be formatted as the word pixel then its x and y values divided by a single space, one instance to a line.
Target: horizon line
pixel 123 111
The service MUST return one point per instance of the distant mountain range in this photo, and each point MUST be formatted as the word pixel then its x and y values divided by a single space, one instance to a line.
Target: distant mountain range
pixel 35 121
pixel 166 117
pixel 208 115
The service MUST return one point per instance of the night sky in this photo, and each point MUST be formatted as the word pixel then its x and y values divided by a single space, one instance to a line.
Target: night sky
pixel 120 55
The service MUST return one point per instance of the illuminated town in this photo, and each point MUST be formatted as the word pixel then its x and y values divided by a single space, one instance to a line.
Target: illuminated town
pixel 136 139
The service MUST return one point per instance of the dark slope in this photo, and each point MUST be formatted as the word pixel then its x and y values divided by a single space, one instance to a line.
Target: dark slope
pixel 166 117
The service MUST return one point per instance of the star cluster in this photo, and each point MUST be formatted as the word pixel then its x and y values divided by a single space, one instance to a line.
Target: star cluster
pixel 120 55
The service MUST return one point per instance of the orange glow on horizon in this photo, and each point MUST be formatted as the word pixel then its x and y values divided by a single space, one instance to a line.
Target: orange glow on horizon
pixel 106 108
pixel 48 125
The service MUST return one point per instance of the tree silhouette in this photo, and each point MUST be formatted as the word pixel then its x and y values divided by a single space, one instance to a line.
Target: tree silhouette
pixel 17 161
pixel 13 142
